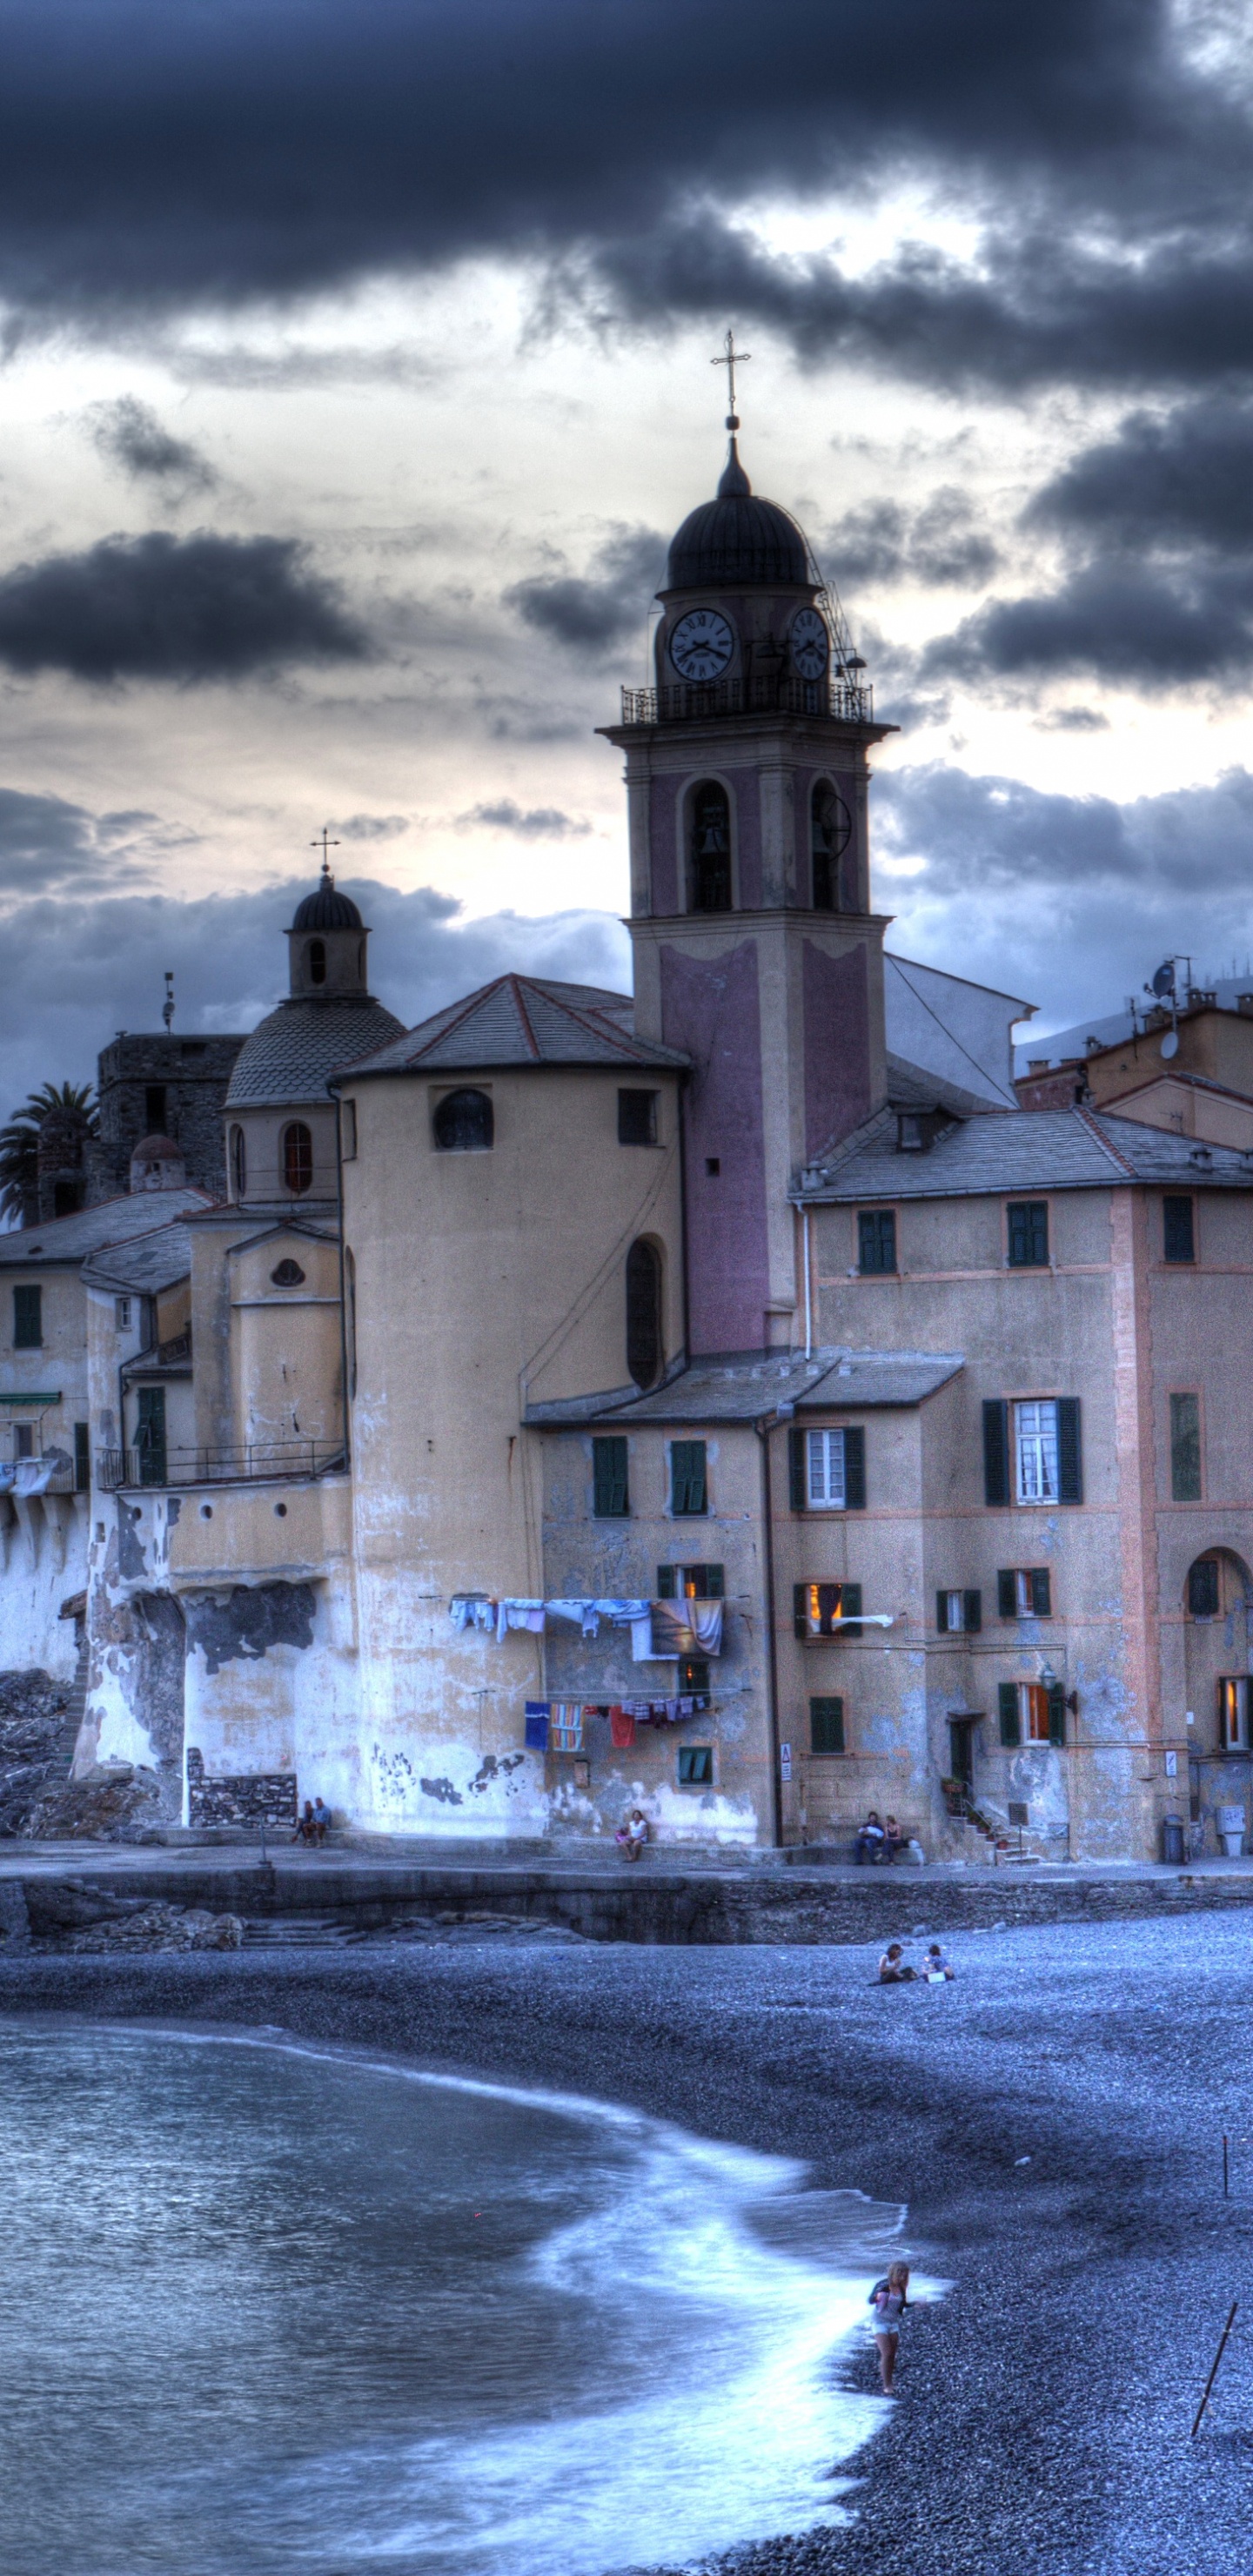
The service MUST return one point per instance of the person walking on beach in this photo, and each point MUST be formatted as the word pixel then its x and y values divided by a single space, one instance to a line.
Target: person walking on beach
pixel 889 2301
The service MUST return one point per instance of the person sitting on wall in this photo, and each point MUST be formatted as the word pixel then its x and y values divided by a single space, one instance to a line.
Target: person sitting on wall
pixel 893 1839
pixel 306 1828
pixel 633 1834
pixel 869 1837
pixel 321 1819
pixel 894 1969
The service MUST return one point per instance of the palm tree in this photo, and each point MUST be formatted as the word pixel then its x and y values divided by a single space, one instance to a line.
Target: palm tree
pixel 19 1144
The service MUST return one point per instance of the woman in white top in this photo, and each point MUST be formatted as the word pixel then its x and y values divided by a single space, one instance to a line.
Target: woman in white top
pixel 889 2301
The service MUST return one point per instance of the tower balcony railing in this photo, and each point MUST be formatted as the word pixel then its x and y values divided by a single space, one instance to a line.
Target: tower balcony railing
pixel 259 1462
pixel 695 701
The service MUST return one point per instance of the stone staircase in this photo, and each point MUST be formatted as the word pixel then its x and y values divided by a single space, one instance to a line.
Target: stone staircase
pixel 75 1707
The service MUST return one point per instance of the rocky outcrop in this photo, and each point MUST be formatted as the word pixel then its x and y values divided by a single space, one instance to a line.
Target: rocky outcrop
pixel 116 1802
pixel 32 1723
pixel 70 1914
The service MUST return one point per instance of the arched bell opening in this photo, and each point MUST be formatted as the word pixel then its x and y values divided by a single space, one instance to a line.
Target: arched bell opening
pixel 710 873
pixel 645 1336
pixel 833 857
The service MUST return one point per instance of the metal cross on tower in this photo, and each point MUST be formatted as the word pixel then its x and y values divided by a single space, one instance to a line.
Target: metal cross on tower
pixel 325 844
pixel 731 359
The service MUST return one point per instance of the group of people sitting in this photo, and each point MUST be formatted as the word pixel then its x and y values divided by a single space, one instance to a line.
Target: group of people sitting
pixel 895 1970
pixel 880 1838
pixel 311 1827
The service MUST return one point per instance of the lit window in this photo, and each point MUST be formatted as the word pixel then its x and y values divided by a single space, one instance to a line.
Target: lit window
pixel 826 1610
pixel 1233 1714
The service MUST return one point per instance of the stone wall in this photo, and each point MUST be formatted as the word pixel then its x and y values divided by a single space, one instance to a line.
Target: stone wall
pixel 239 1798
pixel 194 1074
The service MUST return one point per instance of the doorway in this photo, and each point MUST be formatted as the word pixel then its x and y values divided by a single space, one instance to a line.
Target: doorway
pixel 961 1758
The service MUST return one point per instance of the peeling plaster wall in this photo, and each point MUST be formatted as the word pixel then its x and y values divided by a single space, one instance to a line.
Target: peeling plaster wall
pixel 43 1562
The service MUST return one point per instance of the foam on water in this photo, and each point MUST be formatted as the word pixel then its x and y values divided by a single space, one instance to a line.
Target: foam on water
pixel 443 2323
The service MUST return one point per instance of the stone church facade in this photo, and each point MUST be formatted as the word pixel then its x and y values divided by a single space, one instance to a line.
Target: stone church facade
pixel 723 1398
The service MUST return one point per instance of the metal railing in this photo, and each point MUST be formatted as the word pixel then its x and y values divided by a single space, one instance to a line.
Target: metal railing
pixel 694 701
pixel 258 1462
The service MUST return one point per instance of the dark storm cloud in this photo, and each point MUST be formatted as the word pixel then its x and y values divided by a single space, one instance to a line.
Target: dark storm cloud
pixel 49 845
pixel 531 823
pixel 75 971
pixel 129 433
pixel 605 606
pixel 159 607
pixel 1179 480
pixel 936 545
pixel 217 154
pixel 1155 628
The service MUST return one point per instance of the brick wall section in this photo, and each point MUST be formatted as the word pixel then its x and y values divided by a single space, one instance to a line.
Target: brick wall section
pixel 240 1798
pixel 195 1073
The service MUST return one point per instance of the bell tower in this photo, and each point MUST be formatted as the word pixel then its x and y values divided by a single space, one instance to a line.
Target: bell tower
pixel 756 951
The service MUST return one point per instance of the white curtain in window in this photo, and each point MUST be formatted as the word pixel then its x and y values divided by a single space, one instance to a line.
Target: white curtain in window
pixel 824 1452
pixel 1035 1427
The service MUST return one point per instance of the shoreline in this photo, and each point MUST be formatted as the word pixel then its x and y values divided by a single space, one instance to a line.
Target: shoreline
pixel 1110 2056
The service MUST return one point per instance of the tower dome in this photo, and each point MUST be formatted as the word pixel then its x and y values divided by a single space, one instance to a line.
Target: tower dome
pixel 327 909
pixel 738 541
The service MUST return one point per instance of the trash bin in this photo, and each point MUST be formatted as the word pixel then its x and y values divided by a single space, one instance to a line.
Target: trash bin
pixel 1172 1841
pixel 1231 1831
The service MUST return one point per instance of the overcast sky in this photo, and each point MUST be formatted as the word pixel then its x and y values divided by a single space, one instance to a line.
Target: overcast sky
pixel 357 370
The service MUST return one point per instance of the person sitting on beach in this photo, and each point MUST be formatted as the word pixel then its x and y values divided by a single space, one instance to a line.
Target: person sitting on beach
pixel 306 1830
pixel 935 1965
pixel 633 1834
pixel 869 1838
pixel 889 2300
pixel 894 1968
pixel 321 1819
pixel 893 1839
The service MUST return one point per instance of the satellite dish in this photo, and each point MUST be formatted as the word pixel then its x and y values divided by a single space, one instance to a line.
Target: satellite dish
pixel 1170 1044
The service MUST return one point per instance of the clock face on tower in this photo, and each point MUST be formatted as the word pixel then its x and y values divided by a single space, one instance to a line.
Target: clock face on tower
pixel 810 644
pixel 702 645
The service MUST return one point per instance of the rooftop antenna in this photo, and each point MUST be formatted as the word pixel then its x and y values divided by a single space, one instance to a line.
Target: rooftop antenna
pixel 731 359
pixel 325 844
pixel 167 1007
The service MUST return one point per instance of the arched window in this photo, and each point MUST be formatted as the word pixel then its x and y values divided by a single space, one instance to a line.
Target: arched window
pixel 288 1274
pixel 463 1123
pixel 643 1313
pixel 317 961
pixel 831 827
pixel 711 849
pixel 297 1158
pixel 239 1163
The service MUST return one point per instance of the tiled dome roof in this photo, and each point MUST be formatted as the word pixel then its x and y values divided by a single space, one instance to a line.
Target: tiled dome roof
pixel 737 540
pixel 290 1056
pixel 327 909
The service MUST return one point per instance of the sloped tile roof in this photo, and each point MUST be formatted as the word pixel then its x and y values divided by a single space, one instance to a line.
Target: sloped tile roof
pixel 290 1056
pixel 1027 1149
pixel 742 1386
pixel 154 1261
pixel 115 1221
pixel 523 1019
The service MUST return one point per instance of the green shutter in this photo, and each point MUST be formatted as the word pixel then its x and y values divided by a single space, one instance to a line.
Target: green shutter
pixel 972 1611
pixel 1008 1700
pixel 1041 1592
pixel 715 1583
pixel 1006 1596
pixel 666 1589
pixel 82 1457
pixel 28 1317
pixel 800 1609
pixel 826 1726
pixel 1057 1714
pixel 855 1469
pixel 941 1613
pixel 1069 1451
pixel 996 1451
pixel 850 1607
pixel 609 1479
pixel 796 1469
pixel 687 1479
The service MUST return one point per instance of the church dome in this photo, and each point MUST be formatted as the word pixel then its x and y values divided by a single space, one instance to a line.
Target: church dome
pixel 291 1054
pixel 737 541
pixel 327 909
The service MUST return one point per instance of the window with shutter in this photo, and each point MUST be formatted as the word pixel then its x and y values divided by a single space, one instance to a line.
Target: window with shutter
pixel 826 1610
pixel 1069 1450
pixel 1035 1453
pixel 1006 1594
pixel 1057 1714
pixel 1007 1702
pixel 855 1468
pixel 972 1612
pixel 1203 1588
pixel 876 1242
pixel 824 1456
pixel 1028 1244
pixel 1041 1592
pixel 28 1331
pixel 826 1725
pixel 1185 1448
pixel 995 1451
pixel 687 1479
pixel 1178 1235
pixel 609 1479
pixel 696 1766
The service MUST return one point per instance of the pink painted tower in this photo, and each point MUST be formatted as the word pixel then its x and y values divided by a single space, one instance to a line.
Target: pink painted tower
pixel 755 948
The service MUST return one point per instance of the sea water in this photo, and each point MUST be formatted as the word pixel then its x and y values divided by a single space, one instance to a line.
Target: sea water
pixel 266 2305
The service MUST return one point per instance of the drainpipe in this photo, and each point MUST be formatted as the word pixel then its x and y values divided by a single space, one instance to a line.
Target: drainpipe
pixel 343 1281
pixel 809 1301
pixel 763 1429
pixel 680 1104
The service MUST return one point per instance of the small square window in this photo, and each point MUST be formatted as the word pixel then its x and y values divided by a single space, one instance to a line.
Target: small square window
pixel 1024 1592
pixel 826 1725
pixel 958 1612
pixel 876 1242
pixel 122 1314
pixel 1028 1234
pixel 826 1610
pixel 694 1676
pixel 23 1440
pixel 637 1118
pixel 696 1766
pixel 690 1582
pixel 1178 1233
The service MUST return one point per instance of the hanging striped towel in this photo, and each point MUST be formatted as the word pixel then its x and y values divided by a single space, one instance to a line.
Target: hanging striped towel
pixel 565 1726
